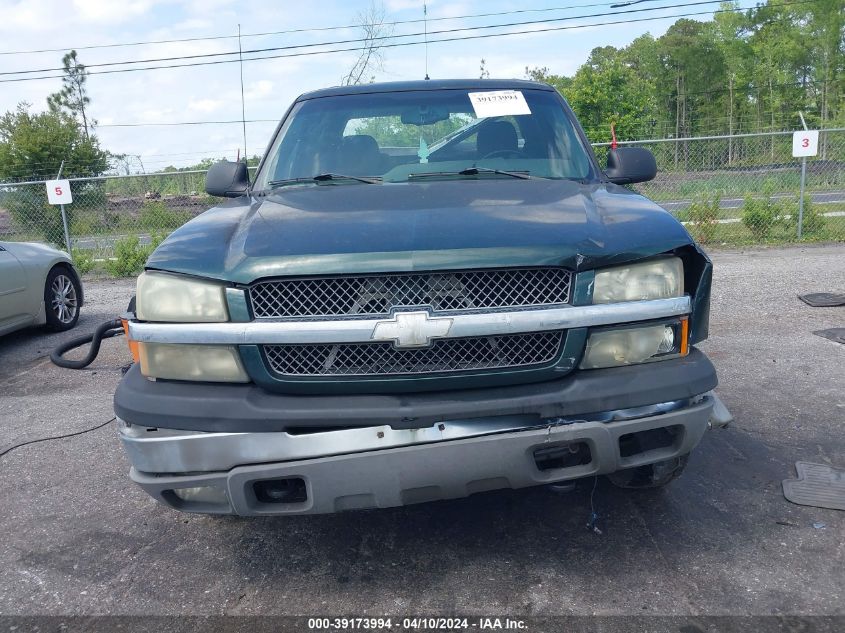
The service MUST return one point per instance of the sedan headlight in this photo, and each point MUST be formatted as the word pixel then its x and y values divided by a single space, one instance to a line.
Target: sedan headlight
pixel 207 363
pixel 165 297
pixel 657 279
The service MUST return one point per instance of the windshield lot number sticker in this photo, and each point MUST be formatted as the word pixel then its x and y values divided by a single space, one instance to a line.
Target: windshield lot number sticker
pixel 805 143
pixel 58 192
pixel 498 103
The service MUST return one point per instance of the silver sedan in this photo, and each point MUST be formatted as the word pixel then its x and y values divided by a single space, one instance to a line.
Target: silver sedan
pixel 38 286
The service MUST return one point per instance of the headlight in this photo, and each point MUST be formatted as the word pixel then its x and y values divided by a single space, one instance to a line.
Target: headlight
pixel 164 297
pixel 211 363
pixel 657 279
pixel 611 348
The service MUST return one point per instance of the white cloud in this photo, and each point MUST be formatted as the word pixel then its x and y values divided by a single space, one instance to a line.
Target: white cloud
pixel 453 9
pixel 194 24
pixel 403 5
pixel 204 105
pixel 209 6
pixel 108 11
pixel 156 115
pixel 23 15
pixel 259 89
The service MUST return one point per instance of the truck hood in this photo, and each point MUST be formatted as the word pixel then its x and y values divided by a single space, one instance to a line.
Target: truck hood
pixel 330 229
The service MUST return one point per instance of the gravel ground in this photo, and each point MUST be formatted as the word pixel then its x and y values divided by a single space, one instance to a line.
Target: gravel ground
pixel 80 538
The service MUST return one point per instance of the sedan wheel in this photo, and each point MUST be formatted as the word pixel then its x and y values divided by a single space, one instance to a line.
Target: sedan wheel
pixel 61 300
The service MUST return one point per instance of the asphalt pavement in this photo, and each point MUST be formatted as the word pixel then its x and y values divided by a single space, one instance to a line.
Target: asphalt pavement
pixel 80 538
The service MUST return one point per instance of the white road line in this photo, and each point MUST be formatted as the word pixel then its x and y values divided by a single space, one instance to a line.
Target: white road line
pixel 831 214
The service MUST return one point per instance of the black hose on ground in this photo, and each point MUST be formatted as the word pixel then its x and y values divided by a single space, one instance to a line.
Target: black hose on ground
pixel 104 331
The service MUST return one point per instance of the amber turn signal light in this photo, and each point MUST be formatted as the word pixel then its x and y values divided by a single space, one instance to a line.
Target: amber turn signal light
pixel 133 345
pixel 684 347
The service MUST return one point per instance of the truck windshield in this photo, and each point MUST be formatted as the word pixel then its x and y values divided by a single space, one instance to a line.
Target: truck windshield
pixel 402 136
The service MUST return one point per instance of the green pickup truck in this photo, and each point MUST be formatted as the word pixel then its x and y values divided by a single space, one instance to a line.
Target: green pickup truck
pixel 429 289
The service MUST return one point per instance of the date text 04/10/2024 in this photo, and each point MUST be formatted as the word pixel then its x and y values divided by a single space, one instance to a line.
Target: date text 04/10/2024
pixel 417 624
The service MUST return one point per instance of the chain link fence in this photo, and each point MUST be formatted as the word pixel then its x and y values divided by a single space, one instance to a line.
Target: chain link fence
pixel 114 222
pixel 745 189
pixel 727 190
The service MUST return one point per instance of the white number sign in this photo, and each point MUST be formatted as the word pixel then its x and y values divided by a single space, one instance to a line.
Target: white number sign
pixel 58 192
pixel 498 103
pixel 805 143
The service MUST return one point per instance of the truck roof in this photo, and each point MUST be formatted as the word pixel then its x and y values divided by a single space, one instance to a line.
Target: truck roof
pixel 432 84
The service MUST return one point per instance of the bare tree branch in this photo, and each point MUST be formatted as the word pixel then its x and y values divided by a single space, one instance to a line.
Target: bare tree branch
pixel 373 30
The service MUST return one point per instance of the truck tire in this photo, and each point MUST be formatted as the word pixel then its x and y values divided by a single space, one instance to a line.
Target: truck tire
pixel 654 475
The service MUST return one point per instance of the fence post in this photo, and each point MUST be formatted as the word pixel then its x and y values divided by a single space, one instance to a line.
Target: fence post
pixel 67 233
pixel 803 180
pixel 64 218
pixel 801 197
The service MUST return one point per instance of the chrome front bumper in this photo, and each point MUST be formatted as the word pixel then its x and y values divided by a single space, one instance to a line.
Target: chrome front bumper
pixel 377 467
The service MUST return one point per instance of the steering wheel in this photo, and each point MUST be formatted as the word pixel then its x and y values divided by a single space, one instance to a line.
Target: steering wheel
pixel 503 153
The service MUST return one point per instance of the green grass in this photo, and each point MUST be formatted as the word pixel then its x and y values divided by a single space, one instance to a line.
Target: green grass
pixel 737 234
pixel 685 186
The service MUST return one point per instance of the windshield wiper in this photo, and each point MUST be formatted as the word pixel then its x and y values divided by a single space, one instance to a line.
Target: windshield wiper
pixel 370 180
pixel 474 171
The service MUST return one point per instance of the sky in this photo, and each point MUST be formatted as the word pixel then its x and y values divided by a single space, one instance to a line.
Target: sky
pixel 213 92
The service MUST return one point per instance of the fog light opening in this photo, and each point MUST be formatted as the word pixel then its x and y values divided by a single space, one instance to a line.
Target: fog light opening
pixel 280 490
pixel 562 456
pixel 640 442
pixel 201 495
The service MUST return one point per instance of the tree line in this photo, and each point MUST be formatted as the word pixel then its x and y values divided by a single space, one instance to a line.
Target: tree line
pixel 36 145
pixel 741 72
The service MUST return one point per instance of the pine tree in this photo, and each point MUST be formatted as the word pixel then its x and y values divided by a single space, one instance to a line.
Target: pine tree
pixel 73 97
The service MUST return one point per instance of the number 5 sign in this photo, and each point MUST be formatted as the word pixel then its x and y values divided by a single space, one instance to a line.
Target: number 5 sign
pixel 805 143
pixel 58 192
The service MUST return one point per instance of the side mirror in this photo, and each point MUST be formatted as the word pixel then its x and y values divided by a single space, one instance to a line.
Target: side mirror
pixel 227 180
pixel 626 165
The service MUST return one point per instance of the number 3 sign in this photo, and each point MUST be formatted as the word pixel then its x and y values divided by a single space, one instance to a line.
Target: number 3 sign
pixel 805 143
pixel 58 192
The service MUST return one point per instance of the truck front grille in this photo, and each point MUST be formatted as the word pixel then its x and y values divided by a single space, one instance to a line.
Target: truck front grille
pixel 377 295
pixel 443 355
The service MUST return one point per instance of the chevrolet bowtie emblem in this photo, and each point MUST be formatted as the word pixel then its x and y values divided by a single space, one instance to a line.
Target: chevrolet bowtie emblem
pixel 411 329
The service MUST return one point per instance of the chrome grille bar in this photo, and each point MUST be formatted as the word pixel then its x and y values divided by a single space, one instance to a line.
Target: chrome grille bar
pixel 362 330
